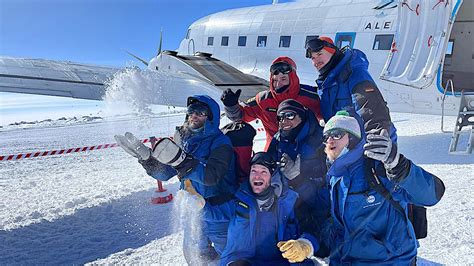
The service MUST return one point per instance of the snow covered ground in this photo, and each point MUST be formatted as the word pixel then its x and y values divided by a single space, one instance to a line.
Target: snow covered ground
pixel 94 207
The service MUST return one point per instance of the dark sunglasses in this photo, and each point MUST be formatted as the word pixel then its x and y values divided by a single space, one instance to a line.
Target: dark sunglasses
pixel 286 115
pixel 281 67
pixel 334 134
pixel 197 110
pixel 315 45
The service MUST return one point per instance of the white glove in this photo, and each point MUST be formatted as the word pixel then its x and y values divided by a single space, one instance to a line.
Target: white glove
pixel 166 151
pixel 290 169
pixel 380 147
pixel 133 146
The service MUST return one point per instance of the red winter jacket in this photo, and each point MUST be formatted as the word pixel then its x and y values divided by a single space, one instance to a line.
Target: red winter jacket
pixel 265 104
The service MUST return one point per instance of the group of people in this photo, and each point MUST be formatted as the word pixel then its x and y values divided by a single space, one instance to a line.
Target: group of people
pixel 311 192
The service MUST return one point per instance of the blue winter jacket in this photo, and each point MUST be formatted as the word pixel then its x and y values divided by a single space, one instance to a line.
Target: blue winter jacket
pixel 253 234
pixel 367 229
pixel 200 146
pixel 349 86
pixel 215 181
pixel 312 207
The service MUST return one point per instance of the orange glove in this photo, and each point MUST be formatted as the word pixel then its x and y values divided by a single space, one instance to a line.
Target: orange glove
pixel 296 250
pixel 188 187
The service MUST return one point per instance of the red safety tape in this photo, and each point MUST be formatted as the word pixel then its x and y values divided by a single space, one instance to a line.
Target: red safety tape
pixel 59 152
pixel 14 157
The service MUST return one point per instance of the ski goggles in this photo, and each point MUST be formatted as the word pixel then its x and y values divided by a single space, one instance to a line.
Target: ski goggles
pixel 198 109
pixel 286 115
pixel 263 158
pixel 336 134
pixel 316 45
pixel 281 67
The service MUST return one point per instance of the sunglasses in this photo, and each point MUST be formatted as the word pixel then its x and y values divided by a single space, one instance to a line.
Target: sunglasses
pixel 197 110
pixel 334 134
pixel 281 67
pixel 286 115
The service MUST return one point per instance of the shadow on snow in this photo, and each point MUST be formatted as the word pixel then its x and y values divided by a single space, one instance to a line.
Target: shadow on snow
pixel 89 234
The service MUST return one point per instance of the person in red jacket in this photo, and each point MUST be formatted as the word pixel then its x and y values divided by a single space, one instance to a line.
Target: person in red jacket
pixel 284 84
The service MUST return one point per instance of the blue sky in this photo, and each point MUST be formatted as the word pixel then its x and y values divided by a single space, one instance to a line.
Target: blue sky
pixel 95 32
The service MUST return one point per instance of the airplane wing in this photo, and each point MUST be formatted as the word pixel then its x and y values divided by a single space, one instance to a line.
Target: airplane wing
pixel 55 78
pixel 169 80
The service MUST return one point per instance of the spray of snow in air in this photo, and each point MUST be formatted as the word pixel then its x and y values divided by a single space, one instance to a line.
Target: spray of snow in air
pixel 187 212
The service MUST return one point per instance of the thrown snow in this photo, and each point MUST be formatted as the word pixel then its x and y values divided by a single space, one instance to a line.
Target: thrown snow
pixel 94 207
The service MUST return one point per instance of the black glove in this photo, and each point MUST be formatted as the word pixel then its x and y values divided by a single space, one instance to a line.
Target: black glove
pixel 399 172
pixel 230 98
pixel 186 166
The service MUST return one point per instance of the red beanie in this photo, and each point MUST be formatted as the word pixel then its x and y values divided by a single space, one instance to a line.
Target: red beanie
pixel 328 49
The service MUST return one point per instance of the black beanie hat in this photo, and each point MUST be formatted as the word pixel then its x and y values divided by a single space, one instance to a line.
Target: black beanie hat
pixel 263 158
pixel 292 105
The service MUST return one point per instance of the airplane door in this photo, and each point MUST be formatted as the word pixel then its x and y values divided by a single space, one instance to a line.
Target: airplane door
pixel 419 46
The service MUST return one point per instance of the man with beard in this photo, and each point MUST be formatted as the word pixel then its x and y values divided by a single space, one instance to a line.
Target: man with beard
pixel 284 84
pixel 263 219
pixel 371 187
pixel 201 156
pixel 298 145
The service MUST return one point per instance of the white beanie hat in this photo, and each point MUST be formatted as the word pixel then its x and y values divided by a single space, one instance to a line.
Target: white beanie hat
pixel 342 120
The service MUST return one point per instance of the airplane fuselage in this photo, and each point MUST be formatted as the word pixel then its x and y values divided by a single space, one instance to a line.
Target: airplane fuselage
pixel 251 38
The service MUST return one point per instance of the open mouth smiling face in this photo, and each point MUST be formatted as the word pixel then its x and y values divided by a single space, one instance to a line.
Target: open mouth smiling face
pixel 259 178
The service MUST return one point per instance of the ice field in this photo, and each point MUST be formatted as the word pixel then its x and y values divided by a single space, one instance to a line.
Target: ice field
pixel 94 207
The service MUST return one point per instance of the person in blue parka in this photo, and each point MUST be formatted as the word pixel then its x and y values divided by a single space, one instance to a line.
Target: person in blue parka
pixel 263 220
pixel 202 158
pixel 298 145
pixel 368 227
pixel 344 83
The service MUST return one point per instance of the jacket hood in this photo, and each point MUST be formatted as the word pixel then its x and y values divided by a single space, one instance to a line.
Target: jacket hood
pixel 293 88
pixel 211 125
pixel 356 59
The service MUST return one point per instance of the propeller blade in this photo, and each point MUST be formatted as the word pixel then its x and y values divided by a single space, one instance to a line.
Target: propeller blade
pixel 138 58
pixel 161 42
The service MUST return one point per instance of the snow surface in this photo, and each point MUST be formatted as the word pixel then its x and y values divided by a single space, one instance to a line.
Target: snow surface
pixel 94 207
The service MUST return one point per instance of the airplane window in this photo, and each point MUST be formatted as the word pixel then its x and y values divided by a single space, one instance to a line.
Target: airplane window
pixel 210 41
pixel 310 37
pixel 285 41
pixel 225 41
pixel 242 40
pixel 345 39
pixel 449 48
pixel 382 42
pixel 188 33
pixel 261 41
